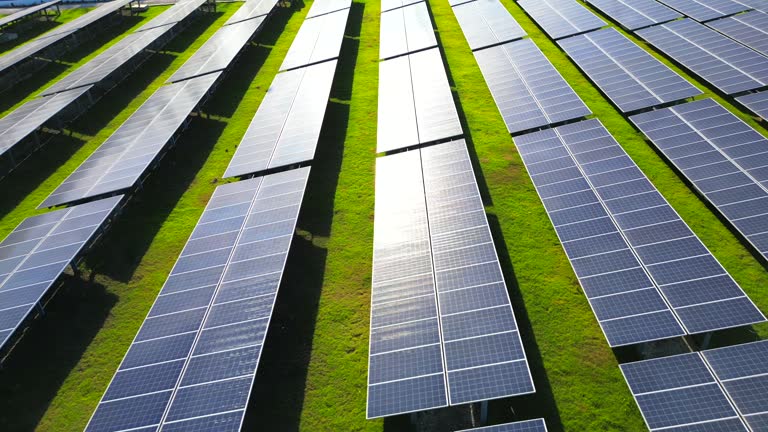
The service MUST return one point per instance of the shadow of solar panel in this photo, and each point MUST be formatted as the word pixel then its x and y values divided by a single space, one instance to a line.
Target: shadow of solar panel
pixel 635 14
pixel 251 9
pixel 723 157
pixel 406 30
pixel 487 22
pixel 387 5
pixel 749 28
pixel 31 116
pixel 527 89
pixel 35 254
pixel 537 425
pixel 756 102
pixel 123 158
pixel 631 77
pixel 218 52
pixel 415 102
pixel 287 125
pixel 27 12
pixel 561 18
pixel 193 362
pixel 722 62
pixel 319 39
pixel 322 7
pixel 705 10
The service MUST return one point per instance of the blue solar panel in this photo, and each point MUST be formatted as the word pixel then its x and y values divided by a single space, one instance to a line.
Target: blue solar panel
pixel 705 10
pixel 724 63
pixel 635 14
pixel 723 157
pixel 761 5
pixel 193 362
pixel 561 18
pixel 537 425
pixel 749 28
pixel 486 23
pixel 756 102
pixel 631 77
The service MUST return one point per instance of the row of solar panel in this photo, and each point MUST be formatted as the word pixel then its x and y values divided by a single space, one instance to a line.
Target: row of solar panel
pixel 27 13
pixel 721 389
pixel 537 425
pixel 442 327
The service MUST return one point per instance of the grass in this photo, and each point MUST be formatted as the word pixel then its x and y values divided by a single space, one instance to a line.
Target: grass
pixel 313 374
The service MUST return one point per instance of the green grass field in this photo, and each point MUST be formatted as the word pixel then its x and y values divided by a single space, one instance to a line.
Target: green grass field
pixel 314 368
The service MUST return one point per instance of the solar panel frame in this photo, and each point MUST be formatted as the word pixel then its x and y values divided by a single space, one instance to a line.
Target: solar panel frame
pixel 636 14
pixel 319 39
pixel 756 102
pixel 323 7
pixel 405 30
pixel 486 23
pixel 527 89
pixel 705 10
pixel 6 20
pixel 537 425
pixel 627 74
pixel 561 18
pixel 252 9
pixel 750 29
pixel 724 63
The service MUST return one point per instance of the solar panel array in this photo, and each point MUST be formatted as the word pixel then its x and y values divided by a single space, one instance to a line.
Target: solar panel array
pixel 194 359
pixel 219 51
pixel 252 9
pixel 406 30
pixel 705 10
pixel 537 425
pixel 636 14
pixel 561 18
pixel 749 28
pixel 387 5
pixel 322 7
pixel 319 39
pixel 724 63
pixel 122 159
pixel 286 128
pixel 486 23
pixel 723 157
pixel 626 243
pixel 26 12
pixel 756 102
pixel 528 90
pixel 631 77
pixel 173 15
pixel 442 327
pixel 37 252
pixel 415 102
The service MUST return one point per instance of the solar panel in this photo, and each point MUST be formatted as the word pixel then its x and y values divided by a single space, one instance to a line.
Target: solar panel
pixel 319 39
pixel 431 237
pixel 756 102
pixel 561 18
pixel 528 90
pixel 724 63
pixel 251 9
pixel 761 5
pixel 681 394
pixel 219 51
pixel 636 14
pixel 124 157
pixel 31 116
pixel 749 28
pixel 631 77
pixel 705 10
pixel 406 30
pixel 35 254
pixel 286 128
pixel 537 425
pixel 415 102
pixel 4 21
pixel 601 188
pixel 194 359
pixel 723 157
pixel 387 5
pixel 322 7
pixel 486 23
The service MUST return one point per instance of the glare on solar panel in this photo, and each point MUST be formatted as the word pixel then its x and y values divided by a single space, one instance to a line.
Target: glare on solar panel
pixel 537 425
pixel 387 5
pixel 756 102
pixel 486 23
pixel 561 18
pixel 322 7
pixel 636 14
pixel 704 10
pixel 749 28
pixel 406 30
pixel 319 39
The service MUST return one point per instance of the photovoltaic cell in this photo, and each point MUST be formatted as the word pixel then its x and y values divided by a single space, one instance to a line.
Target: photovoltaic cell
pixel 33 115
pixel 27 12
pixel 406 30
pixel 705 10
pixel 749 28
pixel 631 77
pixel 319 39
pixel 487 22
pixel 537 425
pixel 415 102
pixel 193 362
pixel 528 90
pixel 635 14
pixel 124 157
pixel 723 157
pixel 561 18
pixel 286 127
pixel 251 9
pixel 322 7
pixel 724 63
pixel 756 102
pixel 218 52
pixel 387 5
pixel 36 253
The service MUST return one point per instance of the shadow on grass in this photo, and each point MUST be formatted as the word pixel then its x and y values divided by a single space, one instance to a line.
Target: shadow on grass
pixel 278 395
pixel 51 348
